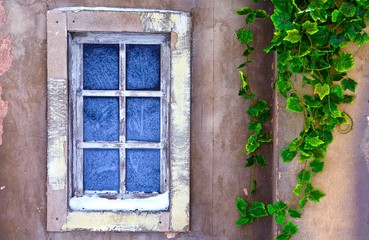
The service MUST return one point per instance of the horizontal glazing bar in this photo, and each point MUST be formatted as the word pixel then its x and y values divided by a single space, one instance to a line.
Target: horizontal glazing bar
pixel 117 93
pixel 120 145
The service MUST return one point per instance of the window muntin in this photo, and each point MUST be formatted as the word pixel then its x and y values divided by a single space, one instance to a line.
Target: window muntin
pixel 119 95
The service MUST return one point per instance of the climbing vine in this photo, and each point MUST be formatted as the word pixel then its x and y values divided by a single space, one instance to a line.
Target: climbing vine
pixel 309 39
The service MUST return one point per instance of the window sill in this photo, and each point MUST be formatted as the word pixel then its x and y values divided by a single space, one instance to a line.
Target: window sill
pixel 159 202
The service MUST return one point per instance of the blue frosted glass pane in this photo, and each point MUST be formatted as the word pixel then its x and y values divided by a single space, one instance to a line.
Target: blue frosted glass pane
pixel 100 119
pixel 143 67
pixel 143 119
pixel 101 169
pixel 143 170
pixel 101 66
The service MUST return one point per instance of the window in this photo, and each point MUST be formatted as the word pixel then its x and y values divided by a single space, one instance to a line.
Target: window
pixel 118 119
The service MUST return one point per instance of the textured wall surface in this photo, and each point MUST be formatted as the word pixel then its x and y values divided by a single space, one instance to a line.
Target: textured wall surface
pixel 5 63
pixel 218 124
pixel 344 212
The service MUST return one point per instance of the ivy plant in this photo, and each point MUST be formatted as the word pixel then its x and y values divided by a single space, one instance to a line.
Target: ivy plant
pixel 309 39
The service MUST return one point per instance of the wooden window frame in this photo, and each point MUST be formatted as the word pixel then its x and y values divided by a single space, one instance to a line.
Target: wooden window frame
pixel 63 22
pixel 76 41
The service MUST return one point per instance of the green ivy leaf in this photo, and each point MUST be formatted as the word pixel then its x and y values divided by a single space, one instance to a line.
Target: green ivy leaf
pixel 278 208
pixel 248 51
pixel 265 138
pixel 364 3
pixel 281 20
pixel 276 41
pixel 308 188
pixel 304 176
pixel 319 154
pixel 284 57
pixel 261 13
pixel 252 143
pixel 319 60
pixel 349 84
pixel 244 11
pixel 283 86
pixel 253 125
pixel 310 27
pixel 293 36
pixel 338 76
pixel 243 81
pixel 294 213
pixel 283 237
pixel 348 99
pixel 250 161
pixel 244 36
pixel 244 220
pixel 344 62
pixel 293 104
pixel 288 155
pixel 250 18
pixel 280 219
pixel 258 210
pixel 319 14
pixel 335 14
pixel 302 202
pixel 316 166
pixel 348 9
pixel 259 107
pixel 290 228
pixel 260 160
pixel 241 205
pixel 337 40
pixel 298 189
pixel 321 90
pixel 313 141
pixel 361 39
pixel 327 136
pixel 317 3
pixel 296 64
pixel 316 195
pixel 337 91
pixel 282 5
pixel 321 38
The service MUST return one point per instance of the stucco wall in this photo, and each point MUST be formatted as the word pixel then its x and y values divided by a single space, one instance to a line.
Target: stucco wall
pixel 218 124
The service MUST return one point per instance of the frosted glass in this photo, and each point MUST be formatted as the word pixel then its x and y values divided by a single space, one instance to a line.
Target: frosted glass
pixel 101 169
pixel 143 119
pixel 100 119
pixel 143 170
pixel 143 67
pixel 100 66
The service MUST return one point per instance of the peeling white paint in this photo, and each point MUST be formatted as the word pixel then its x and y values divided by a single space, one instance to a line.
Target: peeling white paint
pixel 107 9
pixel 96 203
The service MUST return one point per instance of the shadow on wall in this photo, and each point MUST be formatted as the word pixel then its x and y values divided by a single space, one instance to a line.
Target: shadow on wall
pixel 5 63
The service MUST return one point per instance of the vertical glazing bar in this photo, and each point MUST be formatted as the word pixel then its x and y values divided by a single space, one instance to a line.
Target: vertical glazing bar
pixel 122 115
pixel 71 107
pixel 78 119
pixel 165 88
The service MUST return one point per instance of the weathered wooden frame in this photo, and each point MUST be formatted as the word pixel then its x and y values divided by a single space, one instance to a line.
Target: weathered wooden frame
pixel 178 25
